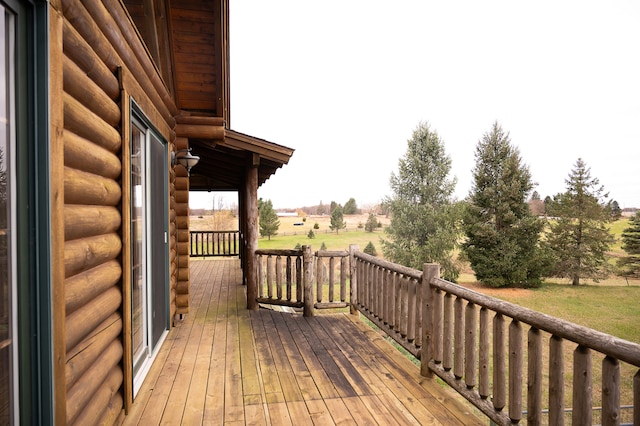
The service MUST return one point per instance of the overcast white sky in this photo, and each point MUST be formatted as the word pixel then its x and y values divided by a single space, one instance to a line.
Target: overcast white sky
pixel 345 83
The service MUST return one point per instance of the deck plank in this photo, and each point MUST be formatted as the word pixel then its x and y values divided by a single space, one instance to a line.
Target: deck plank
pixel 223 364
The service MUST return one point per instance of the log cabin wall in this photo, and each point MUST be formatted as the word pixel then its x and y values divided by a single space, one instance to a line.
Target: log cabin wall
pixel 102 64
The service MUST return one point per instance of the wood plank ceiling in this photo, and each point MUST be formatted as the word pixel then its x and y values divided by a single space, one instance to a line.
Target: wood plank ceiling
pixel 188 40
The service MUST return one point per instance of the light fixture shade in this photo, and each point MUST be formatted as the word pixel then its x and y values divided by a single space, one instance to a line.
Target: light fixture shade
pixel 188 160
pixel 185 159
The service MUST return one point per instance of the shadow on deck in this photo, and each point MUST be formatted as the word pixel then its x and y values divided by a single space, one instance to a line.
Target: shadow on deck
pixel 224 364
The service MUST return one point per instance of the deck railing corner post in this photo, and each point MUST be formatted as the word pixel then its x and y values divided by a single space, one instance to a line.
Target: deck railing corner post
pixel 430 271
pixel 307 267
pixel 353 279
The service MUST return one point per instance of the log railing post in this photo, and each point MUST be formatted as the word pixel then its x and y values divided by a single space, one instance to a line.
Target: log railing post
pixel 430 271
pixel 556 381
pixel 582 383
pixel 636 398
pixel 610 392
pixel 307 260
pixel 534 377
pixel 353 291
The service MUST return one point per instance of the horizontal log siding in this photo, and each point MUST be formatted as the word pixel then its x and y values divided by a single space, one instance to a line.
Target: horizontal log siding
pixel 181 202
pixel 97 41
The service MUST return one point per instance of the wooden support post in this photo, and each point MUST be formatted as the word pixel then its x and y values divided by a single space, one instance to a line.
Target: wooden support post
pixel 307 260
pixel 430 272
pixel 353 248
pixel 251 216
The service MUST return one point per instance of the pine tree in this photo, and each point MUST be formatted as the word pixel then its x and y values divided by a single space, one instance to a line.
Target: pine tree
pixel 614 210
pixel 502 235
pixel 424 218
pixel 337 219
pixel 370 249
pixel 350 207
pixel 630 265
pixel 372 223
pixel 269 223
pixel 579 237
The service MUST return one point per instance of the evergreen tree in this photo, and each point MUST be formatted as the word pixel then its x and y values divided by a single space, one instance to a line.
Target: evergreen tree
pixel 337 219
pixel 372 223
pixel 424 218
pixel 630 265
pixel 350 207
pixel 579 237
pixel 269 223
pixel 502 235
pixel 615 210
pixel 311 234
pixel 370 249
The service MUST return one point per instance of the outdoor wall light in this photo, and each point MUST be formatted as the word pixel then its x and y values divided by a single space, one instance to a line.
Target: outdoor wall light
pixel 185 159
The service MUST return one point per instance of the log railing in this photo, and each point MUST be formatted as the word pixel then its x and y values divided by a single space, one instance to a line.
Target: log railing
pixel 286 278
pixel 501 357
pixel 214 243
pixel 389 295
pixel 476 344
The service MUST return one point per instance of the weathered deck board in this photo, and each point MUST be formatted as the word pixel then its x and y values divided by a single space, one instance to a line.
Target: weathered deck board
pixel 223 364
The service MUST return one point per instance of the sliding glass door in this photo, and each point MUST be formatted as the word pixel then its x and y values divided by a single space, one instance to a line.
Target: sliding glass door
pixel 149 240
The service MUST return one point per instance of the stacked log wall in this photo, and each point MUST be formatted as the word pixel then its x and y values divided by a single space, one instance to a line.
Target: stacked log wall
pixel 97 49
pixel 182 228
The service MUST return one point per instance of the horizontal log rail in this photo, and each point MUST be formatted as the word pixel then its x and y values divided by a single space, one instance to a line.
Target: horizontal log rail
pixel 496 354
pixel 214 243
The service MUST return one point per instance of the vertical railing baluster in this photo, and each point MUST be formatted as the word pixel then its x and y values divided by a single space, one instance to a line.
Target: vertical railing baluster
pixel 438 325
pixel 484 389
pixel 343 279
pixel 397 301
pixel 556 381
pixel 610 392
pixel 516 360
pixel 299 279
pixel 534 380
pixel 332 277
pixel 289 273
pixel 319 278
pixel 470 351
pixel 447 333
pixel 411 309
pixel 499 364
pixel 279 277
pixel 582 382
pixel 404 304
pixel 636 398
pixel 270 276
pixel 419 310
pixel 385 296
pixel 260 277
pixel 458 342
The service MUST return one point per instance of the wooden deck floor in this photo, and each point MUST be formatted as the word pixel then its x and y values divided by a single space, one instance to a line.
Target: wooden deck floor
pixel 225 365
